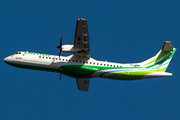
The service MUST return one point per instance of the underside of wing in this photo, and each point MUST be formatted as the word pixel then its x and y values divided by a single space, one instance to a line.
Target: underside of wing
pixel 83 84
pixel 81 39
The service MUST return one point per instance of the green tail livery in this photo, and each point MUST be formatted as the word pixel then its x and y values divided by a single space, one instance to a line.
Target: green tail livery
pixel 81 66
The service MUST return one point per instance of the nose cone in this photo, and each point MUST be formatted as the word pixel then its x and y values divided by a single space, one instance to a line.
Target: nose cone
pixel 6 59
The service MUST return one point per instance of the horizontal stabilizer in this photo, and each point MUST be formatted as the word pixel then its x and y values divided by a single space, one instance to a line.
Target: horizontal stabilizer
pixel 168 46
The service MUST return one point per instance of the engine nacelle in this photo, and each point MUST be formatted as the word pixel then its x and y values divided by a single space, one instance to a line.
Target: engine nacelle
pixel 69 49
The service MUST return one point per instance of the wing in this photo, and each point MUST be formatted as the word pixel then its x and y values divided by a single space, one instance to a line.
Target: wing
pixel 83 84
pixel 81 39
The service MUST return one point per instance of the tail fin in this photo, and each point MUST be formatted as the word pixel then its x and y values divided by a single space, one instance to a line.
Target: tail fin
pixel 162 59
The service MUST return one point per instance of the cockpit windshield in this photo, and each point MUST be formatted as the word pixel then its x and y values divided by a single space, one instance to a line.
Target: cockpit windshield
pixel 18 53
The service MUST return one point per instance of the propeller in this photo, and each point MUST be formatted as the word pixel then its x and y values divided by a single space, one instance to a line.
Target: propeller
pixel 60 77
pixel 60 47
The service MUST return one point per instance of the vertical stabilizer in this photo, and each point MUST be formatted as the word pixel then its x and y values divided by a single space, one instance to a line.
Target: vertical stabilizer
pixel 162 59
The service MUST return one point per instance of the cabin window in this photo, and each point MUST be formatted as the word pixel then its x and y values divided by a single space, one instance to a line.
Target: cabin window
pixel 79 61
pixel 49 57
pixel 39 56
pixel 53 58
pixel 104 64
pixel 90 62
pixel 114 65
pixel 69 60
pixel 111 65
pixel 97 63
pixel 94 63
pixel 101 63
pixel 63 59
pixel 83 62
pixel 120 66
pixel 56 58
pixel 66 59
pixel 73 60
pixel 107 64
pixel 87 62
pixel 76 61
pixel 117 66
pixel 43 57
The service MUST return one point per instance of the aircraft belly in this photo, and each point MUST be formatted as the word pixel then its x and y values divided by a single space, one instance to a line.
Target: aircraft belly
pixel 78 71
pixel 122 76
pixel 138 75
pixel 157 75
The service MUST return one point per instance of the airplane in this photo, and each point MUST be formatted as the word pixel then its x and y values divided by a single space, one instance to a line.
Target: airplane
pixel 82 67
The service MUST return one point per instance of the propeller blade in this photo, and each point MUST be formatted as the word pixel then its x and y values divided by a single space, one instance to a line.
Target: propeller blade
pixel 59 53
pixel 60 47
pixel 60 77
pixel 61 42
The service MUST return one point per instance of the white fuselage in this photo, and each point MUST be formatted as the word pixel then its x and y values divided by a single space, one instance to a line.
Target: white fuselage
pixel 52 61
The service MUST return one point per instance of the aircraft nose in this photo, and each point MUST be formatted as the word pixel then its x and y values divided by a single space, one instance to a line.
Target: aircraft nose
pixel 5 59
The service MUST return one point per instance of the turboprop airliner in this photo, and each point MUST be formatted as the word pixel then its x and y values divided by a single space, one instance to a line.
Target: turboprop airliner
pixel 82 67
